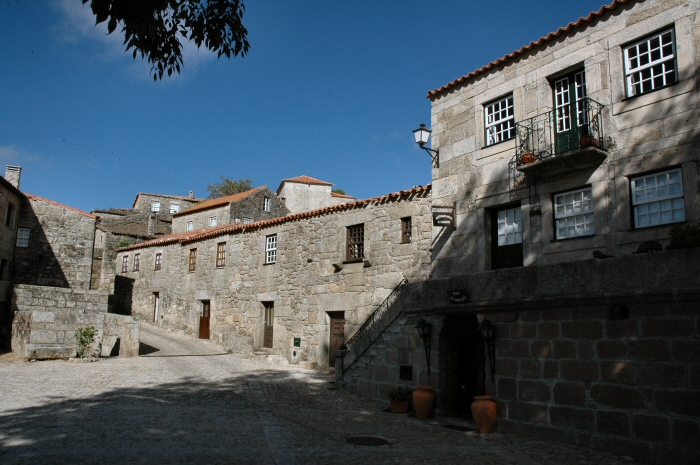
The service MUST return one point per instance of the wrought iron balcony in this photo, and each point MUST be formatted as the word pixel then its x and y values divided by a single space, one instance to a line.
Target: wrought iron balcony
pixel 567 138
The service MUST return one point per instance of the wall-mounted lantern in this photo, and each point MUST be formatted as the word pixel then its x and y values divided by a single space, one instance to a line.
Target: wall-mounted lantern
pixel 422 135
pixel 488 331
pixel 424 331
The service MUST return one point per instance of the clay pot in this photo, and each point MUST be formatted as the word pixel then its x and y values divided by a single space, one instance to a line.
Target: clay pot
pixel 528 158
pixel 587 141
pixel 423 400
pixel 484 412
pixel 399 406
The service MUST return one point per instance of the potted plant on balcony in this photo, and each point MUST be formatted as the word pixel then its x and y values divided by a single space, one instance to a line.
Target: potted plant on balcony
pixel 587 141
pixel 400 396
pixel 528 157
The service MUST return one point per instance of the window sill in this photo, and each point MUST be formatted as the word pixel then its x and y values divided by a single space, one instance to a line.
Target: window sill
pixel 656 95
pixel 270 263
pixel 355 260
pixel 566 239
pixel 657 226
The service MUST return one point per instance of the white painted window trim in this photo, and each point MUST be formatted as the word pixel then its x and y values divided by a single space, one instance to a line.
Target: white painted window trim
pixel 190 226
pixel 662 202
pixel 510 226
pixel 499 120
pixel 174 207
pixel 23 237
pixel 155 206
pixel 573 213
pixel 212 221
pixel 271 248
pixel 634 70
pixel 266 204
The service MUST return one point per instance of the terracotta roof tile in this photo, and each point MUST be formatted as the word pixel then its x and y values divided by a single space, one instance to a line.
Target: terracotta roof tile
pixel 41 199
pixel 341 196
pixel 212 203
pixel 229 228
pixel 134 228
pixel 532 45
pixel 304 179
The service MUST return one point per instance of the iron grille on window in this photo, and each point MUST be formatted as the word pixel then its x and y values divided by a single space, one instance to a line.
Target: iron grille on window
pixel 193 259
pixel 406 230
pixel 220 254
pixel 356 242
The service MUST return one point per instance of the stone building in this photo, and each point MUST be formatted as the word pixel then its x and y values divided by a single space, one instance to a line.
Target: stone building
pixel 305 193
pixel 49 278
pixel 10 198
pixel 164 205
pixel 296 285
pixel 559 162
pixel 245 207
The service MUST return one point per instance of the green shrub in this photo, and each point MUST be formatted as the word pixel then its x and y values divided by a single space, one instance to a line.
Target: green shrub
pixel 124 242
pixel 400 393
pixel 684 236
pixel 86 338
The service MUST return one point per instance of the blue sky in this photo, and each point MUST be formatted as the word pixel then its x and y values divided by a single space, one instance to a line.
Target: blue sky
pixel 329 89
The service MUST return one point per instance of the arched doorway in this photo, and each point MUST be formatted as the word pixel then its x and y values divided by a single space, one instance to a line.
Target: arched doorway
pixel 462 365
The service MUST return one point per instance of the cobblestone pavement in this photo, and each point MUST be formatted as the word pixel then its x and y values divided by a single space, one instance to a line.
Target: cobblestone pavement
pixel 186 402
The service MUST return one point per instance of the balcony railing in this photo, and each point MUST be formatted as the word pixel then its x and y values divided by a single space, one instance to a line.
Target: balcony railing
pixel 558 132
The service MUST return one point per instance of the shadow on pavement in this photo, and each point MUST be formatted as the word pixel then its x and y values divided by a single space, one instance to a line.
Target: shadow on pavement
pixel 145 349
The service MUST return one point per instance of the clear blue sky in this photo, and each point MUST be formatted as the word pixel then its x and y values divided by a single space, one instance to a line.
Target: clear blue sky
pixel 330 89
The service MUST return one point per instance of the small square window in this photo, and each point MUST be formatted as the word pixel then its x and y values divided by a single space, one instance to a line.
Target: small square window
pixel 271 248
pixel 220 254
pixel 125 263
pixel 406 230
pixel 159 261
pixel 355 242
pixel 237 220
pixel 155 206
pixel 23 237
pixel 193 260
pixel 137 260
pixel 247 220
pixel 650 63
pixel 190 226
pixel 573 213
pixel 174 207
pixel 212 221
pixel 658 198
pixel 266 204
pixel 499 120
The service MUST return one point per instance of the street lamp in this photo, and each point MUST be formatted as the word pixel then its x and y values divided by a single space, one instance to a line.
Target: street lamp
pixel 424 331
pixel 422 135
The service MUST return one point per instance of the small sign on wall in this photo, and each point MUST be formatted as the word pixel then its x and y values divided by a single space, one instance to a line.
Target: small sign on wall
pixel 443 216
pixel 458 296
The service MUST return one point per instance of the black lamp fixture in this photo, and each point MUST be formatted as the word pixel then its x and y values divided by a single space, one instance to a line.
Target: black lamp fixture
pixel 422 135
pixel 424 331
pixel 488 331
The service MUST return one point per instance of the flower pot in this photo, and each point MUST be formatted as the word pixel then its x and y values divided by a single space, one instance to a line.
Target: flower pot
pixel 423 400
pixel 399 406
pixel 528 158
pixel 587 141
pixel 484 412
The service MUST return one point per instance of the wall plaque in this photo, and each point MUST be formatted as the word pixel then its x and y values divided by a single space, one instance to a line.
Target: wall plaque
pixel 444 219
pixel 458 296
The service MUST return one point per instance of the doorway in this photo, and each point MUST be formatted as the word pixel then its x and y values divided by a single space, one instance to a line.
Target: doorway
pixel 204 320
pixel 462 365
pixel 268 324
pixel 571 110
pixel 506 238
pixel 337 336
pixel 156 305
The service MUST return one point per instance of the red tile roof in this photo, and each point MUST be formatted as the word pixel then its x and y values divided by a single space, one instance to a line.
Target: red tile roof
pixel 41 199
pixel 212 203
pixel 304 179
pixel 532 45
pixel 229 228
pixel 176 197
pixel 341 196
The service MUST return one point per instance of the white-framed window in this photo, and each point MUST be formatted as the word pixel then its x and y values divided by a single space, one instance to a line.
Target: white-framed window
pixel 658 198
pixel 510 226
pixel 573 213
pixel 155 205
pixel 237 220
pixel 174 207
pixel 499 120
pixel 125 263
pixel 247 220
pixel 651 63
pixel 137 261
pixel 212 221
pixel 23 237
pixel 190 226
pixel 271 248
pixel 159 261
pixel 266 204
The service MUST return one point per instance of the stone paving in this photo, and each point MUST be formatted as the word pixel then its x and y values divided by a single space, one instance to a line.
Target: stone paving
pixel 184 401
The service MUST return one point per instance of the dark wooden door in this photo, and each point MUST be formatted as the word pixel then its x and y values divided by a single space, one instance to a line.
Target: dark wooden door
pixel 269 320
pixel 204 320
pixel 506 238
pixel 570 111
pixel 337 338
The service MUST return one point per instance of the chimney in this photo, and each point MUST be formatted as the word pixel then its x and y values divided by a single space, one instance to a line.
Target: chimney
pixel 191 194
pixel 151 225
pixel 12 174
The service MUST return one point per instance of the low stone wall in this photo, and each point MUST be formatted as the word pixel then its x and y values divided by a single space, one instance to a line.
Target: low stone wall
pixel 47 319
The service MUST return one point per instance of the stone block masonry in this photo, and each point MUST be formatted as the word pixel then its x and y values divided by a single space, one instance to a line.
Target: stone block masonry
pixel 47 319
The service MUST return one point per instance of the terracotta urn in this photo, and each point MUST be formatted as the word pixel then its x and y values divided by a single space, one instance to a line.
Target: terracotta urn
pixel 423 400
pixel 528 158
pixel 484 412
pixel 587 141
